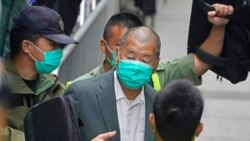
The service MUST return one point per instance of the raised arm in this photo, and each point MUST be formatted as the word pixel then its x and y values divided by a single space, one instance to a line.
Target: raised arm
pixel 214 43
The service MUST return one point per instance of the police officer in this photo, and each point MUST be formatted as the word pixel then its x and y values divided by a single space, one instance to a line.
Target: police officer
pixel 35 41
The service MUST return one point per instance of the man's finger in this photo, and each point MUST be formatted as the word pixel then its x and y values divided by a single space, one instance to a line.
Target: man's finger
pixel 107 135
pixel 211 13
pixel 231 10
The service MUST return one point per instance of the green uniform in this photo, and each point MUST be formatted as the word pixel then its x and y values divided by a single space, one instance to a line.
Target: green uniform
pixel 11 134
pixel 178 69
pixel 47 86
pixel 95 72
pixel 166 72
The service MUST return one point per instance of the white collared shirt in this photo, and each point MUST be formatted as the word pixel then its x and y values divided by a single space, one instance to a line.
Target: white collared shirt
pixel 131 114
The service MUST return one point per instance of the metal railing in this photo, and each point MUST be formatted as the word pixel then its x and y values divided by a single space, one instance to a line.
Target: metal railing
pixel 81 58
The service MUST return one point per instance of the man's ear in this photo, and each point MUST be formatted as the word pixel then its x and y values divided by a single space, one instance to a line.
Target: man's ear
pixel 199 129
pixel 25 46
pixel 152 121
pixel 102 46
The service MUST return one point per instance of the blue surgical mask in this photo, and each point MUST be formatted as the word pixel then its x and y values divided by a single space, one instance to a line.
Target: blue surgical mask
pixel 50 62
pixel 134 74
pixel 112 60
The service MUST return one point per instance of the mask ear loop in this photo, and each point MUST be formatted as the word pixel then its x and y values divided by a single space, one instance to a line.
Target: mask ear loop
pixel 108 59
pixel 118 53
pixel 112 61
pixel 36 48
pixel 154 66
pixel 32 57
pixel 108 49
pixel 118 56
pixel 156 62
pixel 107 45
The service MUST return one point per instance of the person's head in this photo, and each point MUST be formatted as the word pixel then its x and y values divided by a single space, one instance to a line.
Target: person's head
pixel 138 56
pixel 115 28
pixel 177 112
pixel 37 34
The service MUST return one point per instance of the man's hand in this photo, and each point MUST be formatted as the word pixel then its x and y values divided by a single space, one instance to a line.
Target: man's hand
pixel 217 17
pixel 104 136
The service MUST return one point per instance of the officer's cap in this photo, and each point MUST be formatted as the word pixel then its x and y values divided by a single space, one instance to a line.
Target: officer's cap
pixel 43 21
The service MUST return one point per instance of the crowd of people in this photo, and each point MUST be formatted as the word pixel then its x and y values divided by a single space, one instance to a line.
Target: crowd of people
pixel 119 99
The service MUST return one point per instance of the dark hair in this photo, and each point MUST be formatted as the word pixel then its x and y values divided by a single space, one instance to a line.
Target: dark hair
pixel 17 35
pixel 142 34
pixel 178 109
pixel 127 20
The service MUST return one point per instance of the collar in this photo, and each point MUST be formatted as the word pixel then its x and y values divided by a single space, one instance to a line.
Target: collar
pixel 18 86
pixel 97 71
pixel 161 66
pixel 101 69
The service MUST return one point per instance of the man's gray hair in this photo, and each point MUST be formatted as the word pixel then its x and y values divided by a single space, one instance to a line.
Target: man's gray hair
pixel 142 34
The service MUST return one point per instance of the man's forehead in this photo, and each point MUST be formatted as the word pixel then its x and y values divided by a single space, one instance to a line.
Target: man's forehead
pixel 133 39
pixel 138 50
pixel 119 27
pixel 134 45
pixel 117 32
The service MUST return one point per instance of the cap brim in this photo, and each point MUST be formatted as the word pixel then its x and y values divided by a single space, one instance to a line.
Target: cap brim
pixel 60 38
